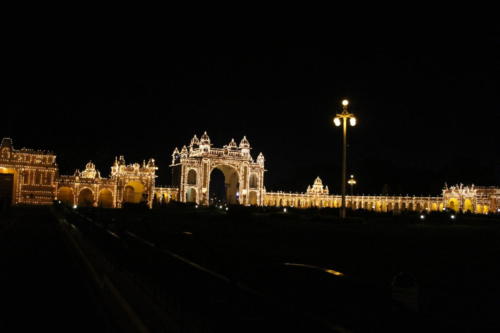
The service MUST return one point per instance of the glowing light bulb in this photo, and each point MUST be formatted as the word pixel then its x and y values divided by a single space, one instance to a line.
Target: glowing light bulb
pixel 336 121
pixel 345 102
pixel 352 121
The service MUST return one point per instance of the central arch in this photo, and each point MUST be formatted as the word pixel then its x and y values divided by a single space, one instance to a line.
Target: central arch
pixel 231 183
pixel 193 168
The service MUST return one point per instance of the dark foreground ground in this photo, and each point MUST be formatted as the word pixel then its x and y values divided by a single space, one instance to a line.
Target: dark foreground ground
pixel 41 288
pixel 454 262
pixel 267 265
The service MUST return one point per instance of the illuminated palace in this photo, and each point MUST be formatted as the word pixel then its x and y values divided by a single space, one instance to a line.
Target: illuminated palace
pixel 31 177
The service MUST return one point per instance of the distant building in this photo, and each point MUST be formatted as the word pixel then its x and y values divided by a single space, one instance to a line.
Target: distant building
pixel 479 200
pixel 31 177
pixel 27 176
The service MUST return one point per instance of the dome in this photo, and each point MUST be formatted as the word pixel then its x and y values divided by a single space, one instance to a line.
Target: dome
pixel 244 143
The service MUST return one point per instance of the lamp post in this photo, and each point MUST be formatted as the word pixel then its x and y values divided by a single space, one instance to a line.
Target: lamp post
pixel 341 119
pixel 351 182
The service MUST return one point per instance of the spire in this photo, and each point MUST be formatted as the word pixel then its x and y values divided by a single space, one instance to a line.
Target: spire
pixel 184 150
pixel 176 152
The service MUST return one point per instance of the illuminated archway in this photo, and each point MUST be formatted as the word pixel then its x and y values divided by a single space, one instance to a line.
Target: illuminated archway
pixel 133 192
pixel 231 183
pixel 66 195
pixel 453 204
pixel 85 198
pixel 468 207
pixel 105 198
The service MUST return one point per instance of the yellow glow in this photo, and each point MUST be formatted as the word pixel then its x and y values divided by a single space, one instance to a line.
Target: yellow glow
pixel 352 121
pixel 336 273
pixel 345 102
pixel 336 121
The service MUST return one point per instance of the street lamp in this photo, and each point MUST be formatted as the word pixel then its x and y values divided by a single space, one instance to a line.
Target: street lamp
pixel 341 119
pixel 351 182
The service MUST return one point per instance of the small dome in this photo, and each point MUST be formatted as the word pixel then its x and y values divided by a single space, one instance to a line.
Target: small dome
pixel 204 138
pixel 244 143
pixel 195 140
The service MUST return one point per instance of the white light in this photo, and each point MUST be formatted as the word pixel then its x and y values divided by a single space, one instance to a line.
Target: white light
pixel 284 210
pixel 75 206
pixel 352 121
pixel 345 102
pixel 196 206
pixel 422 217
pixel 227 209
pixel 336 121
pixel 452 216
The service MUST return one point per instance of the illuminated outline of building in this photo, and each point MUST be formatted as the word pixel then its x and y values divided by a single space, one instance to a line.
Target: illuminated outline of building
pixel 243 176
pixel 35 180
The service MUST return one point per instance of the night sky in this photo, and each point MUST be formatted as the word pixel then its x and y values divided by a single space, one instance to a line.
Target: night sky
pixel 427 108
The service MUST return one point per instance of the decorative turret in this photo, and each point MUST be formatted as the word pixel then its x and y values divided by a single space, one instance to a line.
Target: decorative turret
pixel 260 159
pixel 90 171
pixel 175 155
pixel 184 152
pixel 318 187
pixel 194 142
pixel 232 144
pixel 205 142
pixel 245 146
pixel 151 163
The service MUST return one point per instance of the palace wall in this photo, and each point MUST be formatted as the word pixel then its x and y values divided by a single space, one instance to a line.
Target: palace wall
pixel 31 177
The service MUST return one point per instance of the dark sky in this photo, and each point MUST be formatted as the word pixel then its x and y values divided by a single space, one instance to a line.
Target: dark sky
pixel 427 103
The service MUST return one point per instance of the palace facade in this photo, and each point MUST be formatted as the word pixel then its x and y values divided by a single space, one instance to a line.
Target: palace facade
pixel 31 177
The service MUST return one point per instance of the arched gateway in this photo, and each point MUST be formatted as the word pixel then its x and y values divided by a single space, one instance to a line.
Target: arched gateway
pixel 243 177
